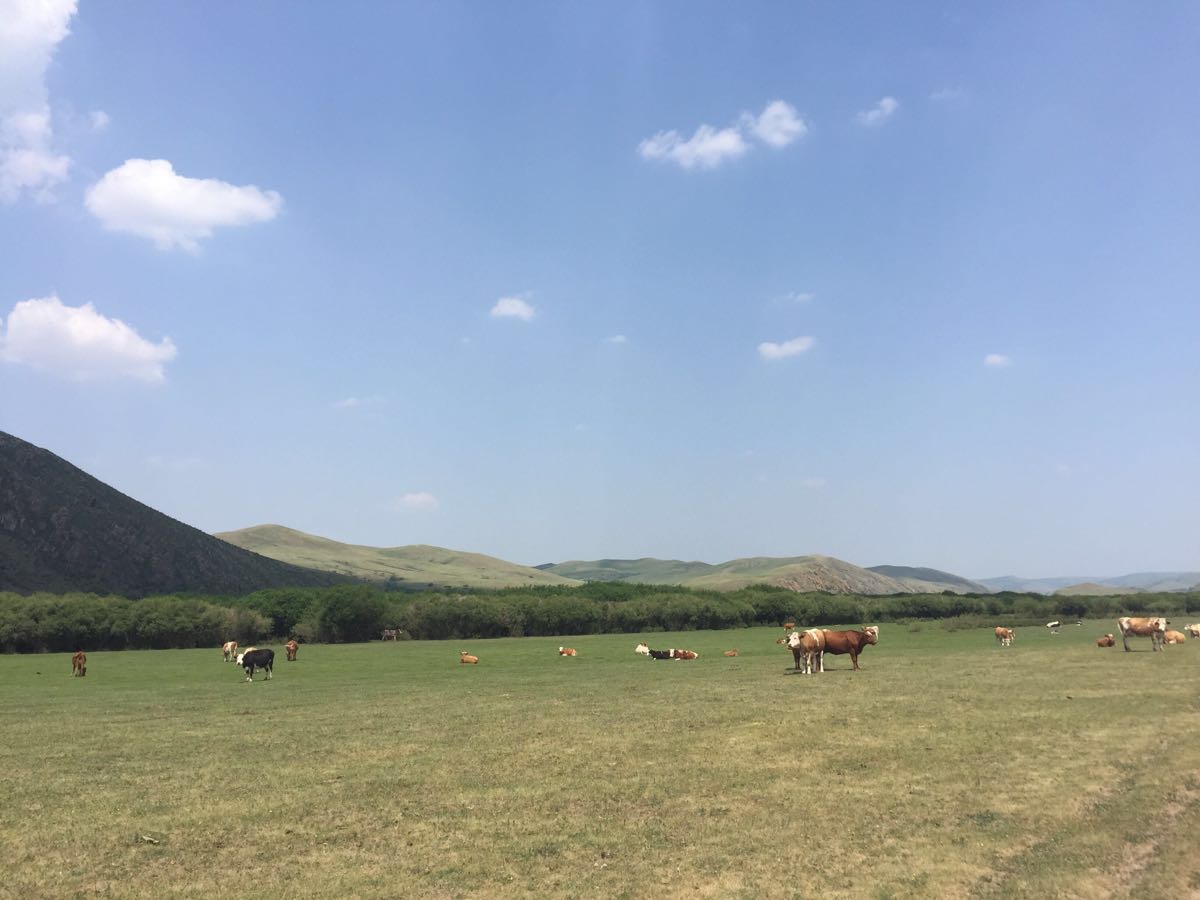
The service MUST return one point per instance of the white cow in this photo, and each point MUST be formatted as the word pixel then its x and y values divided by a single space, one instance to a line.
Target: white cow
pixel 1154 627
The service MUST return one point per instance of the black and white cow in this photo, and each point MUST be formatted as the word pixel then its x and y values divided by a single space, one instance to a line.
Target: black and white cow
pixel 258 659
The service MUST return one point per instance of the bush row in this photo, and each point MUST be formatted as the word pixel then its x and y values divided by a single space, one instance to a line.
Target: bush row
pixel 45 622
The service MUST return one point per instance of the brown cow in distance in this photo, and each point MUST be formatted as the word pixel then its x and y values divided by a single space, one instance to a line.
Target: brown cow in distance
pixel 852 642
pixel 1154 628
pixel 292 648
pixel 1106 641
pixel 808 647
pixel 79 663
pixel 1004 635
pixel 1174 637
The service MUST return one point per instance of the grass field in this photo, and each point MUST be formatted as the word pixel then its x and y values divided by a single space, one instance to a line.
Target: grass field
pixel 947 767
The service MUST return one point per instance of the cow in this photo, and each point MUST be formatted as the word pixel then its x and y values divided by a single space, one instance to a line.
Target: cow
pixel 1106 641
pixel 686 654
pixel 1153 627
pixel 567 651
pixel 852 642
pixel 731 652
pixel 242 655
pixel 292 649
pixel 1193 630
pixel 789 626
pixel 670 654
pixel 465 657
pixel 1054 626
pixel 782 640
pixel 1174 637
pixel 229 650
pixel 643 649
pixel 79 664
pixel 255 659
pixel 808 647
pixel 391 634
pixel 1004 635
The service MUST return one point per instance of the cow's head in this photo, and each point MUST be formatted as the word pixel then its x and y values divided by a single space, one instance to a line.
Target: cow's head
pixel 872 633
pixel 643 649
pixel 793 639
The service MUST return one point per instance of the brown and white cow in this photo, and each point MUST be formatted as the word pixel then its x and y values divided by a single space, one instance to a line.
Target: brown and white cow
pixel 1106 641
pixel 79 664
pixel 808 647
pixel 852 642
pixel 292 649
pixel 1193 630
pixel 465 657
pixel 731 652
pixel 567 651
pixel 1004 636
pixel 1174 637
pixel 229 650
pixel 1154 627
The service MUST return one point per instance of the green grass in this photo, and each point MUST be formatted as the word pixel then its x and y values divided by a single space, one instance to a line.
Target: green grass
pixel 947 767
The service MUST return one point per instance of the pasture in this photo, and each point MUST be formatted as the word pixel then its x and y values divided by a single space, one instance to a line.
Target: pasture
pixel 947 767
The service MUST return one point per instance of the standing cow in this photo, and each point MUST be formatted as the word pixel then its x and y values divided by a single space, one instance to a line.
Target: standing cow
pixel 255 659
pixel 852 642
pixel 808 647
pixel 79 664
pixel 1004 636
pixel 292 649
pixel 1154 627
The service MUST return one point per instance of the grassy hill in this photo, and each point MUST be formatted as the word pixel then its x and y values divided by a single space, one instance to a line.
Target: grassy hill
pixel 63 530
pixel 646 570
pixel 924 580
pixel 1093 589
pixel 416 565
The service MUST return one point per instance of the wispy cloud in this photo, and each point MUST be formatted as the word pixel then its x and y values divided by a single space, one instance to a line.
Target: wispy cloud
pixel 30 32
pixel 616 339
pixel 997 360
pixel 358 402
pixel 513 308
pixel 879 113
pixel 796 297
pixel 148 198
pixel 948 94
pixel 776 126
pixel 99 119
pixel 77 343
pixel 421 501
pixel 794 347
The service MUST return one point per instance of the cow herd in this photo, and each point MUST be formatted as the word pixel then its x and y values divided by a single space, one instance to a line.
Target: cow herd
pixel 808 646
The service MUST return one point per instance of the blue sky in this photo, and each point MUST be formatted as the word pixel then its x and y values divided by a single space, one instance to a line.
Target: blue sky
pixel 906 284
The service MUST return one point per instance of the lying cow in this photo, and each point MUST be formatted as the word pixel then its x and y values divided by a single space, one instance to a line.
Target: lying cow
pixel 229 650
pixel 808 647
pixel 1174 637
pixel 255 659
pixel 79 664
pixel 1193 630
pixel 1154 627
pixel 1106 641
pixel 673 654
pixel 852 642
pixel 465 657
pixel 292 649
pixel 643 649
pixel 731 652
pixel 1004 636
pixel 567 651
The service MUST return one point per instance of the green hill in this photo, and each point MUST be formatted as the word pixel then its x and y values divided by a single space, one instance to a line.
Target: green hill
pixel 1093 589
pixel 643 571
pixel 63 530
pixel 925 580
pixel 415 565
pixel 800 573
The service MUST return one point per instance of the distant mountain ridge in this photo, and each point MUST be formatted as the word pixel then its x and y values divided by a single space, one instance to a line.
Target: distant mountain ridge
pixel 63 530
pixel 415 565
pixel 1137 581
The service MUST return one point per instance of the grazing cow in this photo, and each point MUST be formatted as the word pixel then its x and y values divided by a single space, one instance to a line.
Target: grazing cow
pixel 79 664
pixel 1193 630
pixel 391 634
pixel 1004 636
pixel 258 659
pixel 731 652
pixel 229 650
pixel 1154 627
pixel 292 649
pixel 567 651
pixel 808 647
pixel 1174 637
pixel 852 642
pixel 1054 626
pixel 465 657
pixel 1106 641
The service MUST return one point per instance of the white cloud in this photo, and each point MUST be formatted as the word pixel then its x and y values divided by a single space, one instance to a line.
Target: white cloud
pixel 778 124
pixel 357 402
pixel 513 308
pixel 880 112
pixel 796 297
pixel 616 339
pixel 946 95
pixel 99 119
pixel 147 198
pixel 78 343
pixel 30 31
pixel 706 149
pixel 794 347
pixel 996 360
pixel 422 501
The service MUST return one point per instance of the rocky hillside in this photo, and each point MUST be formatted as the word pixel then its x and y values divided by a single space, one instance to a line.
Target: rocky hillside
pixel 63 530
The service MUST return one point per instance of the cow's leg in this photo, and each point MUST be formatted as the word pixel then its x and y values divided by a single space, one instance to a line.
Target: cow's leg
pixel 854 659
pixel 268 674
pixel 1125 641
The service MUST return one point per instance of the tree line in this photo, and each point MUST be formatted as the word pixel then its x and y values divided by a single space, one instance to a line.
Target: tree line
pixel 359 612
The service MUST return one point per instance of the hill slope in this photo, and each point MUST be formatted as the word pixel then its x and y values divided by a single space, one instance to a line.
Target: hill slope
pixel 923 579
pixel 416 564
pixel 63 530
pixel 800 573
pixel 646 570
